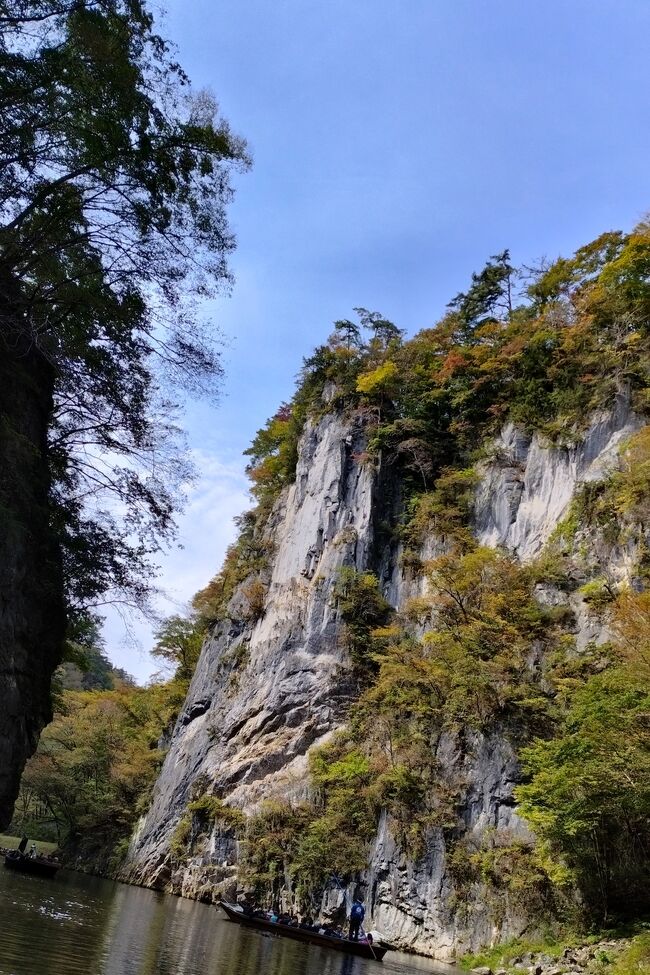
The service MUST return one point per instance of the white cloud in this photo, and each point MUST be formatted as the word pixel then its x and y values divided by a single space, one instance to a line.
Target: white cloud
pixel 206 529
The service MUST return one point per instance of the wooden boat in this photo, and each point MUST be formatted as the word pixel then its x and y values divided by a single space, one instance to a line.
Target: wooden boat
pixel 37 866
pixel 235 913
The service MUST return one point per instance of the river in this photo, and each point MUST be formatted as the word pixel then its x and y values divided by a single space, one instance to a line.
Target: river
pixel 78 925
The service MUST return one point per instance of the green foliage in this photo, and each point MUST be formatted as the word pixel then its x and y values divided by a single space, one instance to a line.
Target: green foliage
pixel 588 794
pixel 515 870
pixel 271 842
pixel 348 332
pixel 210 809
pixel 630 623
pixel 430 404
pixel 11 843
pixel 200 817
pixel 274 454
pixel 470 669
pixel 378 382
pixel 363 610
pixel 510 874
pixel 546 365
pixel 310 842
pixel 385 335
pixel 247 558
pixel 630 484
pixel 489 297
pixel 635 960
pixel 343 773
pixel 274 450
pixel 180 838
pixel 444 511
pixel 565 531
pixel 95 767
pixel 327 847
pixel 121 176
pixel 619 503
pixel 85 665
pixel 178 642
pixel 597 593
pixel 504 955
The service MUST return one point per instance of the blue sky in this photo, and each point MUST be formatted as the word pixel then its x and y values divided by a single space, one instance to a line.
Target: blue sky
pixel 396 146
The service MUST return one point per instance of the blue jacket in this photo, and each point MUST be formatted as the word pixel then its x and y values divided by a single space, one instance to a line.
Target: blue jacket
pixel 358 911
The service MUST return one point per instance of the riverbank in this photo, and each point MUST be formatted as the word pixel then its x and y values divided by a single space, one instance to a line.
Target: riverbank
pixel 11 843
pixel 620 953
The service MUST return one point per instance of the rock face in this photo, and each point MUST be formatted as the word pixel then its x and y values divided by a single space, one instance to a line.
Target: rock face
pixel 32 616
pixel 266 690
pixel 250 738
pixel 415 902
pixel 526 490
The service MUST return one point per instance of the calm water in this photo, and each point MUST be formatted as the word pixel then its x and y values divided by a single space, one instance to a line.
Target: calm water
pixel 77 925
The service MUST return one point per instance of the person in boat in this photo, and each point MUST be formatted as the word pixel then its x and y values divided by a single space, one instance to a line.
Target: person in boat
pixel 32 850
pixel 357 914
pixel 307 922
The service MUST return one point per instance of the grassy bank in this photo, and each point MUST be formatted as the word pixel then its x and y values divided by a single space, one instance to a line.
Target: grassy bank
pixel 11 843
pixel 621 951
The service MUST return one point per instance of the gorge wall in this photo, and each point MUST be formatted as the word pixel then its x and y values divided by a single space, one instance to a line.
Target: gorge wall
pixel 269 687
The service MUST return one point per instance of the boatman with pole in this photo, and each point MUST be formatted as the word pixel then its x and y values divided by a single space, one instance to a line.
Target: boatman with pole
pixel 357 914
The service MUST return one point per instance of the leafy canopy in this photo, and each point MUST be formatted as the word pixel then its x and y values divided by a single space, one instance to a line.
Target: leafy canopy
pixel 588 797
pixel 114 182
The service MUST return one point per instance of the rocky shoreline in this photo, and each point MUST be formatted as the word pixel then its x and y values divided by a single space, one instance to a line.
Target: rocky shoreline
pixel 583 959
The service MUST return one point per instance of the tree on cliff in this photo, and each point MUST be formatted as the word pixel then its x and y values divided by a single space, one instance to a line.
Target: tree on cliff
pixel 488 297
pixel 114 182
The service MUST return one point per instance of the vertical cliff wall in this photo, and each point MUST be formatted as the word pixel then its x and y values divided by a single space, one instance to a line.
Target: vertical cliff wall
pixel 268 689
pixel 523 494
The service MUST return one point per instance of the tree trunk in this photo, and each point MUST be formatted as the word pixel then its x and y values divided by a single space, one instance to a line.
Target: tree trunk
pixel 32 614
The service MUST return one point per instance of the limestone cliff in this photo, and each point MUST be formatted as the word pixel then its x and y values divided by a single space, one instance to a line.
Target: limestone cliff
pixel 247 727
pixel 269 688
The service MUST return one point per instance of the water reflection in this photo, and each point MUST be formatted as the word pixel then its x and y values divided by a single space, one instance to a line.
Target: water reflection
pixel 76 924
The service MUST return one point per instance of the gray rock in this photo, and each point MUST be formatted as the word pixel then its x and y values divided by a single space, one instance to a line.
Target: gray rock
pixel 583 955
pixel 248 739
pixel 526 490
